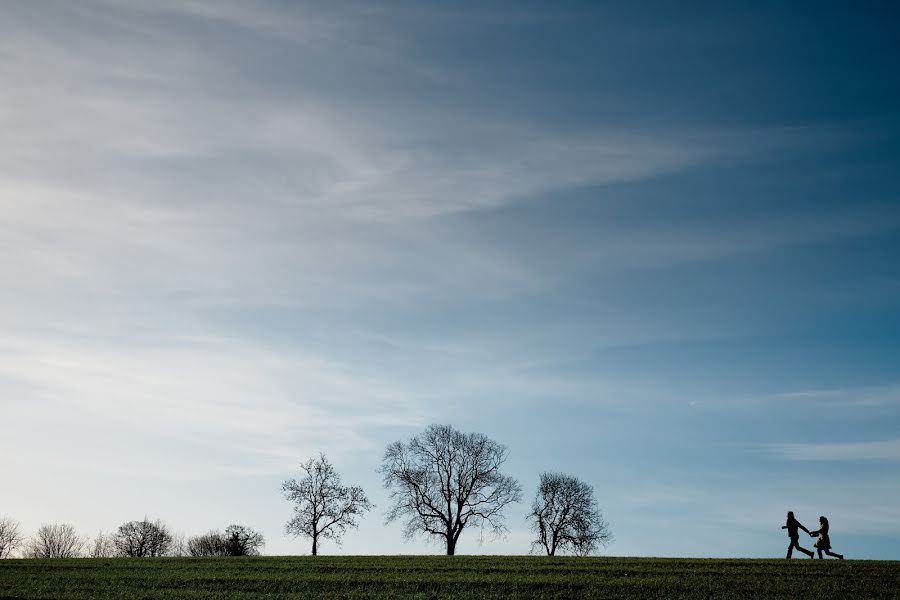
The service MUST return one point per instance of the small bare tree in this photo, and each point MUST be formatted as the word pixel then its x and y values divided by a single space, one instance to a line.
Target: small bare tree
pixel 10 536
pixel 236 541
pixel 566 518
pixel 55 541
pixel 323 508
pixel 211 543
pixel 178 547
pixel 140 539
pixel 443 481
pixel 243 541
pixel 101 546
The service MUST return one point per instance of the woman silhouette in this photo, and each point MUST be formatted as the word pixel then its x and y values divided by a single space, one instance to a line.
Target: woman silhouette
pixel 793 526
pixel 823 544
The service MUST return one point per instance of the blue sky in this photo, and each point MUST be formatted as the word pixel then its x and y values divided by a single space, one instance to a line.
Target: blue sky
pixel 655 247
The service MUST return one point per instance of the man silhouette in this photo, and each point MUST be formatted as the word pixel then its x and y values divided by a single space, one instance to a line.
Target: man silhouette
pixel 794 526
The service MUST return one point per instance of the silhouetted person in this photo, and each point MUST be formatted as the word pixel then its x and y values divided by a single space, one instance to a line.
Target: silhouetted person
pixel 794 526
pixel 823 544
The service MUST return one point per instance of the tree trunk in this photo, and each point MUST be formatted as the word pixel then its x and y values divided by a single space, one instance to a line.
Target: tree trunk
pixel 451 546
pixel 314 545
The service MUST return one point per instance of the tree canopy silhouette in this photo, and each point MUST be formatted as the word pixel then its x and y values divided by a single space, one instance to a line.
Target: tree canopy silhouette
pixel 139 539
pixel 236 541
pixel 443 481
pixel 565 516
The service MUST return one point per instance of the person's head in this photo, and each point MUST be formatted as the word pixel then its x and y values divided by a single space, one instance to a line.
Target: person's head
pixel 823 520
pixel 790 515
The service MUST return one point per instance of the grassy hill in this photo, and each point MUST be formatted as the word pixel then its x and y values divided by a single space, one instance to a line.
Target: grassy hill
pixel 459 577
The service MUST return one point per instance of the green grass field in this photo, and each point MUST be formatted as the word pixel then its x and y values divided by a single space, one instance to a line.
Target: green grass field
pixel 457 577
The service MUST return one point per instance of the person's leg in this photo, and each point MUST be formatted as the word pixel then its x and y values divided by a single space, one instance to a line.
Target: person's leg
pixel 790 549
pixel 820 552
pixel 804 550
pixel 830 553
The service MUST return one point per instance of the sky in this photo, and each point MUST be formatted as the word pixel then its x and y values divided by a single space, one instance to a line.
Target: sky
pixel 656 247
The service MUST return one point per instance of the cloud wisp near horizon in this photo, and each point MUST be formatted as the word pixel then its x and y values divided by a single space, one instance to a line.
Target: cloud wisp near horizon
pixel 656 249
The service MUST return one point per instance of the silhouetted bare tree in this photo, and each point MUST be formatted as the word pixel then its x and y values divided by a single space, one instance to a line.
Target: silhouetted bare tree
pixel 101 546
pixel 566 518
pixel 211 543
pixel 236 541
pixel 442 481
pixel 323 508
pixel 10 536
pixel 243 541
pixel 54 541
pixel 143 539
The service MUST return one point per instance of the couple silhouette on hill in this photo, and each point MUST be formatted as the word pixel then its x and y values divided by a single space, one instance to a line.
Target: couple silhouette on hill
pixel 823 544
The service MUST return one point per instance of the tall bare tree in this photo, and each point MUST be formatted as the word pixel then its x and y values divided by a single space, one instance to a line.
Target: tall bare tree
pixel 323 508
pixel 442 481
pixel 145 538
pixel 566 518
pixel 55 541
pixel 10 536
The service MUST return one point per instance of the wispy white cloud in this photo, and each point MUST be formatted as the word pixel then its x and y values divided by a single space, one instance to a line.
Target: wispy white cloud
pixel 849 451
pixel 274 406
pixel 860 397
pixel 842 399
pixel 126 167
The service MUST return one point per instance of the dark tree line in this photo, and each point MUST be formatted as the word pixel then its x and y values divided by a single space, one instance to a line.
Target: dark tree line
pixel 133 539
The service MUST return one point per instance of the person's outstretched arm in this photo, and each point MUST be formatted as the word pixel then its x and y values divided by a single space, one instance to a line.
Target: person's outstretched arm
pixel 804 528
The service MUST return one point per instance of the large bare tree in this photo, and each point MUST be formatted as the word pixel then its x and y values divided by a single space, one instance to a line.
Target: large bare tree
pixel 323 508
pixel 566 518
pixel 10 536
pixel 443 480
pixel 55 541
pixel 145 538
